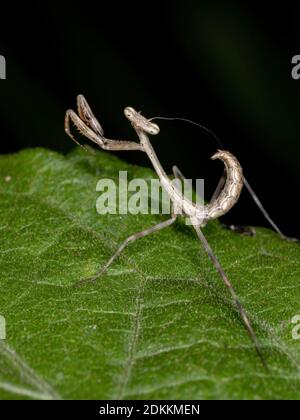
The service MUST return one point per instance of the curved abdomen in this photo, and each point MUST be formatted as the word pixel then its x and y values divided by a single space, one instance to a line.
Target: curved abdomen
pixel 231 192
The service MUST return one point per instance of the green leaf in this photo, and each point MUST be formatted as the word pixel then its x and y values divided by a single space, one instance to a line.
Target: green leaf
pixel 159 323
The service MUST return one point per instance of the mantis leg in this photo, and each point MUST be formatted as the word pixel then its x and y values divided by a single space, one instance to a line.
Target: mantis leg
pixel 96 137
pixel 179 175
pixel 233 293
pixel 263 210
pixel 129 240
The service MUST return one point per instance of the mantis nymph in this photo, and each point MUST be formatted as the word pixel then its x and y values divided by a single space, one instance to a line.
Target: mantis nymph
pixel 225 197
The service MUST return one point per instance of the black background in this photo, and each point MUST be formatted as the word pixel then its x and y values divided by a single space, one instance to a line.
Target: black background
pixel 225 65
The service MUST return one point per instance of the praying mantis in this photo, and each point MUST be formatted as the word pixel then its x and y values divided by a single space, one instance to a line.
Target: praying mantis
pixel 225 197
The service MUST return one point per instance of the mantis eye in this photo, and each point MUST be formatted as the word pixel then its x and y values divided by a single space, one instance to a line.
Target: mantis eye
pixel 153 129
pixel 129 112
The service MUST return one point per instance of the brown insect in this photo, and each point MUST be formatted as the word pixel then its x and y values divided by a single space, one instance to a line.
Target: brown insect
pixel 225 197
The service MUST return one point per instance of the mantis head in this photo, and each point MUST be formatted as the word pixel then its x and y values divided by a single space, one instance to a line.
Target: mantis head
pixel 139 122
